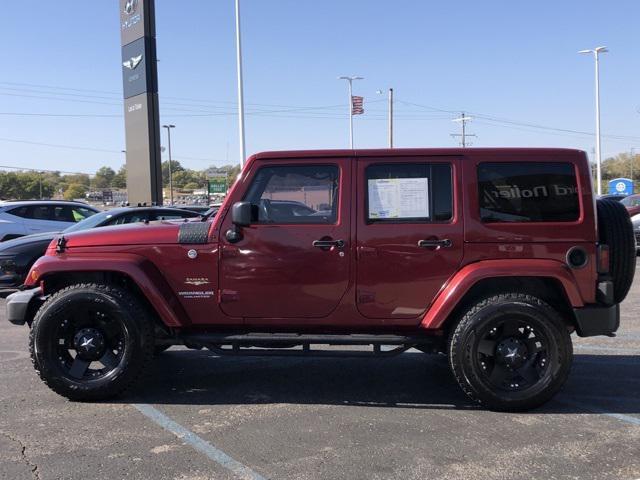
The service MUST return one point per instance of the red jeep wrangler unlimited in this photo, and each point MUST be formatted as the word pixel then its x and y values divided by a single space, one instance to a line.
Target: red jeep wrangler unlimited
pixel 490 256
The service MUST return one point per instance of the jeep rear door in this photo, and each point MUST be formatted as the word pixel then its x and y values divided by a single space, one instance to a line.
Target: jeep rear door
pixel 409 234
pixel 293 260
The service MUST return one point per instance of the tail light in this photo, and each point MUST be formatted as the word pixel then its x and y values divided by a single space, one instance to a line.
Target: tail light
pixel 603 259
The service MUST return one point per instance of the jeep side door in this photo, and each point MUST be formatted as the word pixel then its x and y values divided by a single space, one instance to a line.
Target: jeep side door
pixel 409 234
pixel 292 261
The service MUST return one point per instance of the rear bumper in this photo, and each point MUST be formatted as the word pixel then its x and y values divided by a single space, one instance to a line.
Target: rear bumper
pixel 595 320
pixel 18 305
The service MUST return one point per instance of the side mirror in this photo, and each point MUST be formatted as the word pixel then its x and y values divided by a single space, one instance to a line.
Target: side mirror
pixel 241 214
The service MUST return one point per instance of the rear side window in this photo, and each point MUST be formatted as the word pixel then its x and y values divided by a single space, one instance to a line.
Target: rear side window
pixel 528 192
pixel 40 212
pixel 409 192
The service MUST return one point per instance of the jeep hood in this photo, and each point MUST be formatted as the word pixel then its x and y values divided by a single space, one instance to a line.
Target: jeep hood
pixel 153 233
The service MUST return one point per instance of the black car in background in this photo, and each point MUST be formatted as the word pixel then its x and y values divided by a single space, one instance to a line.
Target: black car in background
pixel 613 196
pixel 17 255
pixel 193 208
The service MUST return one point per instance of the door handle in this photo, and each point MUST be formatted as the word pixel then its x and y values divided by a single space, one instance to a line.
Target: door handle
pixel 328 243
pixel 444 243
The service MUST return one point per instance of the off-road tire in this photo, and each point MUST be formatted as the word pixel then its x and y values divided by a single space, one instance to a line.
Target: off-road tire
pixel 467 333
pixel 138 344
pixel 616 230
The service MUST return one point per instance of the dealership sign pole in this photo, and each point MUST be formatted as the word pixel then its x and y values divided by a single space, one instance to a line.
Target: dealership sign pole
pixel 141 112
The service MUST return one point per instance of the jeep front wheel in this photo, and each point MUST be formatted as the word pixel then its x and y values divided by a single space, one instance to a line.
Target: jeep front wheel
pixel 510 352
pixel 91 341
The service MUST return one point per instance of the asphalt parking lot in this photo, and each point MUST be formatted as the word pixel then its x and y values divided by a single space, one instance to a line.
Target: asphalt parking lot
pixel 197 416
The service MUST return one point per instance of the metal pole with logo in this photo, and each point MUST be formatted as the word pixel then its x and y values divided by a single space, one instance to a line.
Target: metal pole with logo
pixel 141 111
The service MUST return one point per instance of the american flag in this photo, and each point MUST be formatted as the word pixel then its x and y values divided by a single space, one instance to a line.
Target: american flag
pixel 357 105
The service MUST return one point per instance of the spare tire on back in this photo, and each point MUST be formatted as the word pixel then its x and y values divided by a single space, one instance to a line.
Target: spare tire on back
pixel 615 229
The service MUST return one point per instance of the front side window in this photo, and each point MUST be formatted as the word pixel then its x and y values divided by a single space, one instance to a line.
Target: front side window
pixel 409 192
pixel 62 214
pixel 295 194
pixel 80 213
pixel 528 192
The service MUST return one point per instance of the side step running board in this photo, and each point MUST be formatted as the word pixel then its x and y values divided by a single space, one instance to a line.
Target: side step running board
pixel 285 344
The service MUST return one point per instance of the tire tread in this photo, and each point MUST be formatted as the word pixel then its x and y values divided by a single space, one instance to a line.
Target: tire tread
pixel 110 389
pixel 467 321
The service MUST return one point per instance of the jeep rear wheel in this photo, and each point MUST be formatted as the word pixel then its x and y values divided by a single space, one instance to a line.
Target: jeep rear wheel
pixel 510 352
pixel 91 341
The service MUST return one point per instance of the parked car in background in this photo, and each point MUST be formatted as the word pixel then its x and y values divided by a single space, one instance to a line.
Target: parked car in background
pixel 17 255
pixel 632 202
pixel 213 210
pixel 24 217
pixel 613 196
pixel 194 208
pixel 636 230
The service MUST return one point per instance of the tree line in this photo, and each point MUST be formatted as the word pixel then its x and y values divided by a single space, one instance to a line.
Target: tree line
pixel 621 166
pixel 24 185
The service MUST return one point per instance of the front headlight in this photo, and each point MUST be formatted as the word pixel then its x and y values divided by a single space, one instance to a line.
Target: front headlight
pixel 636 221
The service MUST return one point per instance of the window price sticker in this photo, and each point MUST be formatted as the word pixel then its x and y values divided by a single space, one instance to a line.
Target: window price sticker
pixel 398 198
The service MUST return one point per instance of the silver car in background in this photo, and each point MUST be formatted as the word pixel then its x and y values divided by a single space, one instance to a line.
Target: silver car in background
pixel 24 217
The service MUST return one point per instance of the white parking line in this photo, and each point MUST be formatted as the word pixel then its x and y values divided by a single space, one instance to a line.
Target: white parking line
pixel 593 409
pixel 606 348
pixel 197 442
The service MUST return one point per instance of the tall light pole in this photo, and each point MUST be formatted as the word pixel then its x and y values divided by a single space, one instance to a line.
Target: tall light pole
pixel 169 127
pixel 240 87
pixel 350 79
pixel 596 55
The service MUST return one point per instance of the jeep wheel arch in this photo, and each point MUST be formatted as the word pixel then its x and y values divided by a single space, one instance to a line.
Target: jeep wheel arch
pixel 545 278
pixel 151 285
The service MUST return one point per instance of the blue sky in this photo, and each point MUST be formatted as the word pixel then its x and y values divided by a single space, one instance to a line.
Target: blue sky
pixel 511 61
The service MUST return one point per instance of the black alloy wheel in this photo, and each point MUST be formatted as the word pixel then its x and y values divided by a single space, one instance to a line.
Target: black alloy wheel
pixel 510 352
pixel 91 341
pixel 89 344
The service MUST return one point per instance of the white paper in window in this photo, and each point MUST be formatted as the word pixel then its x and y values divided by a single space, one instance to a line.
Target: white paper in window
pixel 398 198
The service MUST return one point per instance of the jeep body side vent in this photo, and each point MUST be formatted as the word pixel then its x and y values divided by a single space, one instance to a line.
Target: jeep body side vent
pixel 194 232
